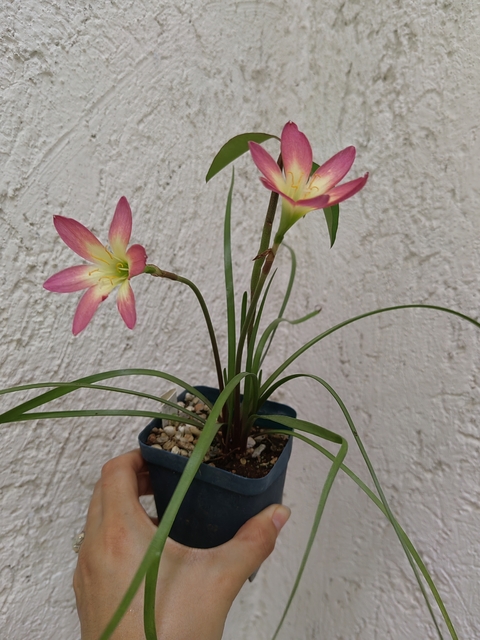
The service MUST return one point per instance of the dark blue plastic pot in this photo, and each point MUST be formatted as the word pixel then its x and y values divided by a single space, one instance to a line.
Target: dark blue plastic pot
pixel 218 502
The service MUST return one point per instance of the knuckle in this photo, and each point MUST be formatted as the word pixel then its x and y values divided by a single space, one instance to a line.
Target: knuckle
pixel 263 539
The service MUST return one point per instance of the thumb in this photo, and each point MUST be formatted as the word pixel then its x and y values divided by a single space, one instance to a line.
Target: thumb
pixel 254 542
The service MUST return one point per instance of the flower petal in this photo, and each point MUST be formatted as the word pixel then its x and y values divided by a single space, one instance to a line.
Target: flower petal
pixel 71 279
pixel 269 185
pixel 121 228
pixel 314 203
pixel 267 165
pixel 286 200
pixel 296 154
pixel 347 190
pixel 333 170
pixel 126 304
pixel 80 239
pixel 87 306
pixel 137 259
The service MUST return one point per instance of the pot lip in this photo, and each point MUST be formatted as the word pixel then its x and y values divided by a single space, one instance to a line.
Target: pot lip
pixel 214 475
pixel 212 393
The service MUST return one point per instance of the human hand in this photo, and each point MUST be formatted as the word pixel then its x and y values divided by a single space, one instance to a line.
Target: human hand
pixel 196 587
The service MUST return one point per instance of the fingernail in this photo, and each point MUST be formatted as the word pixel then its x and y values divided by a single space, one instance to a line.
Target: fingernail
pixel 280 517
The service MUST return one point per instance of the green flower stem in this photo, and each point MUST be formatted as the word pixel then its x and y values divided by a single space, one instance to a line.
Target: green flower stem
pixel 250 398
pixel 153 270
pixel 256 271
pixel 266 234
pixel 267 265
pixel 286 298
pixel 249 320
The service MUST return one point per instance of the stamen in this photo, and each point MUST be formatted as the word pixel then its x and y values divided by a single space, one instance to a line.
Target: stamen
pixel 110 255
pixel 109 278
pixel 292 178
pixel 289 173
pixel 102 260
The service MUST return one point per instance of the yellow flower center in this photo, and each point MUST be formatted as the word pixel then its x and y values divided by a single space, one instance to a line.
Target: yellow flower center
pixel 112 272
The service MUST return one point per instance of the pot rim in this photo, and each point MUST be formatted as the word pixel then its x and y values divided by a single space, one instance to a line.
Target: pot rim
pixel 215 475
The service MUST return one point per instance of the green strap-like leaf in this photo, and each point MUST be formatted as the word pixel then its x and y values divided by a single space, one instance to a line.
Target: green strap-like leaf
pixel 253 336
pixel 102 387
pixel 309 427
pixel 88 413
pixel 233 149
pixel 66 388
pixel 411 559
pixel 270 331
pixel 331 213
pixel 268 383
pixel 331 216
pixel 415 555
pixel 229 284
pixel 286 297
pixel 157 544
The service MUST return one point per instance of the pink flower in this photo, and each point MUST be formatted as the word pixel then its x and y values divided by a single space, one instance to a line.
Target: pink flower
pixel 112 266
pixel 301 190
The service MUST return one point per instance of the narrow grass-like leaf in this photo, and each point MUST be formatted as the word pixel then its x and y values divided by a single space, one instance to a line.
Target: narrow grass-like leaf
pixel 229 287
pixel 103 387
pixel 149 598
pixel 243 312
pixel 250 397
pixel 85 413
pixel 270 330
pixel 291 279
pixel 256 325
pixel 383 499
pixel 250 317
pixel 415 555
pixel 267 384
pixel 286 297
pixel 391 518
pixel 230 297
pixel 302 425
pixel 157 544
pixel 332 215
pixel 66 388
pixel 250 403
pixel 233 149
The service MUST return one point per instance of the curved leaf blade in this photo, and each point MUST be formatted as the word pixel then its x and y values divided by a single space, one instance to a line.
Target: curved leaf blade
pixel 233 149
pixel 331 216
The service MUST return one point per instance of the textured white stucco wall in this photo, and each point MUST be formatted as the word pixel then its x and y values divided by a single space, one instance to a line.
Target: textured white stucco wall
pixel 134 98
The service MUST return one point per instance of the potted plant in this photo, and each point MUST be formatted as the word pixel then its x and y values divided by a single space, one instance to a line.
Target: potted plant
pixel 224 428
pixel 230 487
